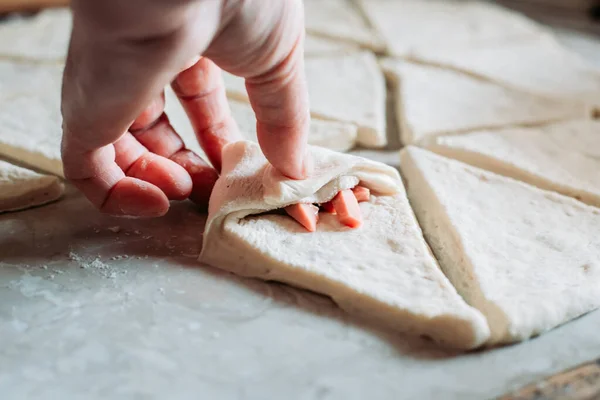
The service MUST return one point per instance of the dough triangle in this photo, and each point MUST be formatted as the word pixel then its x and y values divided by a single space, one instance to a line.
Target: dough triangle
pixel 332 97
pixel 528 259
pixel 538 65
pixel 30 119
pixel 340 20
pixel 411 25
pixel 383 271
pixel 44 37
pixel 432 101
pixel 562 157
pixel 21 188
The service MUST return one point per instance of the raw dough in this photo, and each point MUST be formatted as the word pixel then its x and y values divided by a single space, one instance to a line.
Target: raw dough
pixel 28 78
pixel 44 37
pixel 340 20
pixel 432 101
pixel 528 259
pixel 383 271
pixel 319 46
pixel 342 87
pixel 30 119
pixel 411 25
pixel 562 157
pixel 21 188
pixel 538 64
pixel 340 136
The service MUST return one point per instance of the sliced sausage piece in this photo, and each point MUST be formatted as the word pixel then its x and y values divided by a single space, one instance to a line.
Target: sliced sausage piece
pixel 347 209
pixel 328 207
pixel 361 193
pixel 306 214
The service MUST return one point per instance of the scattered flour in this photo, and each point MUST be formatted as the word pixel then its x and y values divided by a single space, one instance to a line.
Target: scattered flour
pixel 97 266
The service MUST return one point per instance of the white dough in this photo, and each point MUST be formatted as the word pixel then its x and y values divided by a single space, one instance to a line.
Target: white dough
pixel 21 188
pixel 340 20
pixel 538 64
pixel 319 46
pixel 382 271
pixel 412 25
pixel 528 259
pixel 562 157
pixel 432 101
pixel 44 37
pixel 28 78
pixel 30 118
pixel 342 87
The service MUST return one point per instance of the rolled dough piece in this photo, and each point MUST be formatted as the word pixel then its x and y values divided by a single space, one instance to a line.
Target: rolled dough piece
pixel 538 64
pixel 341 20
pixel 411 25
pixel 30 118
pixel 21 188
pixel 344 88
pixel 528 259
pixel 432 101
pixel 339 136
pixel 382 271
pixel 562 157
pixel 44 37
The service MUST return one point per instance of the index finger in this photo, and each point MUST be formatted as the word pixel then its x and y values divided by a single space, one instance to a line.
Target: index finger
pixel 279 99
pixel 270 56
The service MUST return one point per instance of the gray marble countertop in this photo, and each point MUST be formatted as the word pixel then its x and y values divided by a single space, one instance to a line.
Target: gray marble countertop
pixel 93 307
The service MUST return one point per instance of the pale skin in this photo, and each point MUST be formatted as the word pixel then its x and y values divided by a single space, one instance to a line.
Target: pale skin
pixel 119 148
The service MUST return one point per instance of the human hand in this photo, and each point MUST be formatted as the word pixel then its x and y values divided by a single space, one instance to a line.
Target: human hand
pixel 119 148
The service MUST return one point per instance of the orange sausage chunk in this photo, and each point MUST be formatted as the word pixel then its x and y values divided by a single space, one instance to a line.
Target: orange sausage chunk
pixel 306 214
pixel 347 209
pixel 361 193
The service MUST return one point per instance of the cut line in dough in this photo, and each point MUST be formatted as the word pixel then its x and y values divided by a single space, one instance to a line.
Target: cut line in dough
pixel 408 26
pixel 562 157
pixel 315 46
pixel 432 101
pixel 332 97
pixel 341 20
pixel 539 65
